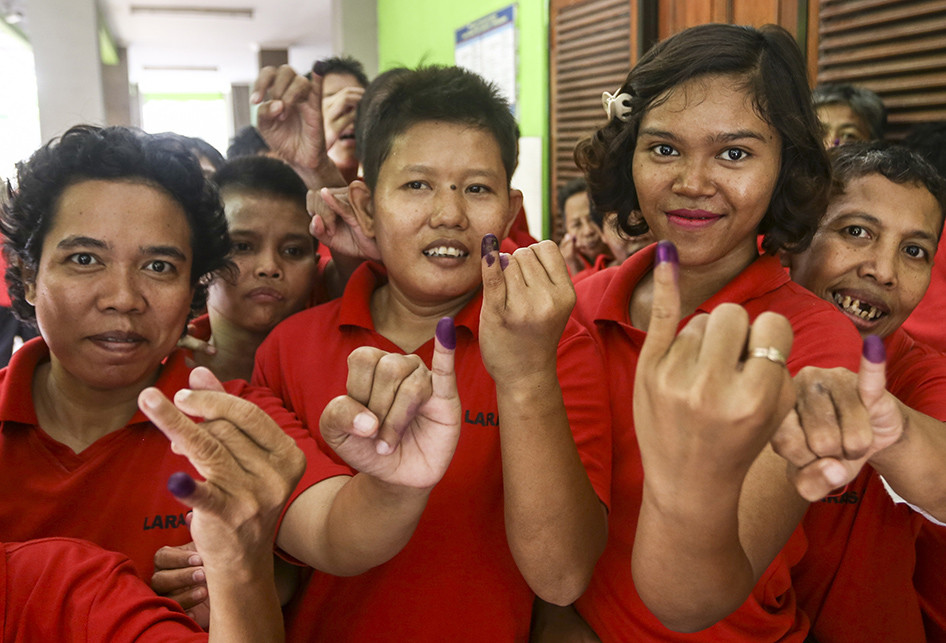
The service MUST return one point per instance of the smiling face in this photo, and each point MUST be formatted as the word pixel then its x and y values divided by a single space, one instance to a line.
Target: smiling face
pixel 873 252
pixel 842 125
pixel 274 253
pixel 112 289
pixel 441 188
pixel 578 223
pixel 705 166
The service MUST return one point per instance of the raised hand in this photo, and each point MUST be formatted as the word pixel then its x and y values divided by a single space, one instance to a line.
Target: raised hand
pixel 340 110
pixel 840 420
pixel 527 298
pixel 334 224
pixel 399 422
pixel 290 120
pixel 569 251
pixel 707 400
pixel 249 464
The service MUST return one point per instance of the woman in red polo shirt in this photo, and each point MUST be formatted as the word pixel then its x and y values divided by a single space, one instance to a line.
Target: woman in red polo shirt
pixel 713 141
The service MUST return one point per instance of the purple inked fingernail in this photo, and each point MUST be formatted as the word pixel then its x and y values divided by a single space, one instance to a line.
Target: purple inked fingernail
pixel 319 67
pixel 181 484
pixel 489 246
pixel 503 260
pixel 874 350
pixel 666 251
pixel 447 333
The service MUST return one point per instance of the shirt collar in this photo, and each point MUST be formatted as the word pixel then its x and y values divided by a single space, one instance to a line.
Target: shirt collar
pixel 16 381
pixel 356 301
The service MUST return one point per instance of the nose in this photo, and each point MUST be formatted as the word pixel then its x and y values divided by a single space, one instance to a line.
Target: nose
pixel 122 291
pixel 694 179
pixel 268 264
pixel 449 209
pixel 881 265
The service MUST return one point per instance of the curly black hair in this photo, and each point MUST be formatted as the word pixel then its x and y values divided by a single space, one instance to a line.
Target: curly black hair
pixel 86 152
pixel 773 70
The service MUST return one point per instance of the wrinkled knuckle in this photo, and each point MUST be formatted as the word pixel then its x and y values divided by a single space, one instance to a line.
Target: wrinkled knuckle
pixel 823 444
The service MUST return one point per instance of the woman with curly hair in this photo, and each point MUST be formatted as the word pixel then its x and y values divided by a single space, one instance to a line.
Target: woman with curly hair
pixel 711 143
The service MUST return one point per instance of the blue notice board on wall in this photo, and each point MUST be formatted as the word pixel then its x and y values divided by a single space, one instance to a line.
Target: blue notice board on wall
pixel 487 46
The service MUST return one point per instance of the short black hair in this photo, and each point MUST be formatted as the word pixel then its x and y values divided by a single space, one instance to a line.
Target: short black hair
pixel 436 93
pixel 861 100
pixel 341 65
pixel 263 174
pixel 367 111
pixel 247 142
pixel 894 162
pixel 773 73
pixel 86 152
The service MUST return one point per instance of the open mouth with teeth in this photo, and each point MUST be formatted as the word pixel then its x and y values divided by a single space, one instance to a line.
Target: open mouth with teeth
pixel 857 308
pixel 445 251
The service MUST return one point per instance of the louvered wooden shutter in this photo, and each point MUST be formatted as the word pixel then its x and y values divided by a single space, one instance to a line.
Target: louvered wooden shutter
pixel 895 48
pixel 590 47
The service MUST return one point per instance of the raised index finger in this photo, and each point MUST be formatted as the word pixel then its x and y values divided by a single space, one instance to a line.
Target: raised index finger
pixel 665 307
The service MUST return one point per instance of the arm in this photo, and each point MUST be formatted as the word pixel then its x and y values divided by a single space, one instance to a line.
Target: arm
pixel 555 524
pixel 290 120
pixel 250 467
pixel 398 426
pixel 703 413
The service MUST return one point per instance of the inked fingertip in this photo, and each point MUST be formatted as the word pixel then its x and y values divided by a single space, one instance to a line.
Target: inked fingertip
pixel 503 260
pixel 874 351
pixel 666 253
pixel 319 67
pixel 489 246
pixel 181 484
pixel 447 333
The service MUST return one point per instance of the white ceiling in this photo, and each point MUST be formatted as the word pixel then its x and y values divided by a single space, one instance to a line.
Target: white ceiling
pixel 208 51
pixel 226 46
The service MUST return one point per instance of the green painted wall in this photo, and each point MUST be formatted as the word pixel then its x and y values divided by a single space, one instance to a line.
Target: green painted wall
pixel 411 32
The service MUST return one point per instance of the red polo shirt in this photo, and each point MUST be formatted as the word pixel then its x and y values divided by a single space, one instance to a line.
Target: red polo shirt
pixel 60 589
pixel 456 579
pixel 823 337
pixel 114 493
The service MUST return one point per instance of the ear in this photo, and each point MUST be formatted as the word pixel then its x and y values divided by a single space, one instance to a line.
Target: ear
pixel 360 198
pixel 515 204
pixel 29 284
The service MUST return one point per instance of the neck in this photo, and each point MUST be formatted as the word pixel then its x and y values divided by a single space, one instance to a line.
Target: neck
pixel 236 349
pixel 697 284
pixel 407 323
pixel 76 414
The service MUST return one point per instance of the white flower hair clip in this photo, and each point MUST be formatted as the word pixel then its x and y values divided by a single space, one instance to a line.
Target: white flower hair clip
pixel 618 105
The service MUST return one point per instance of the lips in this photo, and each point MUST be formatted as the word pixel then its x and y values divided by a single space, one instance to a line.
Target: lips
pixel 265 294
pixel 692 218
pixel 860 307
pixel 118 341
pixel 446 249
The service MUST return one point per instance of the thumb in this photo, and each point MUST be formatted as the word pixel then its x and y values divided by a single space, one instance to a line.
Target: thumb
pixel 871 378
pixel 665 308
pixel 443 375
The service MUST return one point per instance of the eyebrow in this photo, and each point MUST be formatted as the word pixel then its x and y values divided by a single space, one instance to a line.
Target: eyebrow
pixel 469 172
pixel 722 137
pixel 77 241
pixel 870 218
